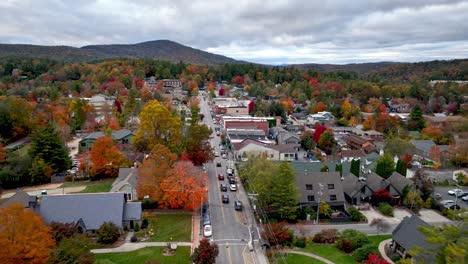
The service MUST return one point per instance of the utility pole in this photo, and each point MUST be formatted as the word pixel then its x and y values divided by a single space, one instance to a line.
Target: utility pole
pixel 318 205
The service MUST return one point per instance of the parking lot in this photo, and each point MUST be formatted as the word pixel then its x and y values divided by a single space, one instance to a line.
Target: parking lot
pixel 445 196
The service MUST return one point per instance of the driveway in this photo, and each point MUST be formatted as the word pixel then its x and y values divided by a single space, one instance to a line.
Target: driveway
pixel 427 215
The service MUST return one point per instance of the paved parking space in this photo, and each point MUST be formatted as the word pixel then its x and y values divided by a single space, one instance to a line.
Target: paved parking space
pixel 428 215
pixel 445 196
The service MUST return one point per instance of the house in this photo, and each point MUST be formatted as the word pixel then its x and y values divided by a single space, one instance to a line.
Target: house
pixel 258 148
pixel 101 103
pixel 355 189
pixel 237 135
pixel 286 151
pixel 357 142
pixel 172 83
pixel 90 210
pixel 288 138
pixel 123 136
pixel 399 182
pixel 406 236
pixel 445 122
pixel 126 182
pixel 376 183
pixel 21 197
pixel 351 154
pixel 320 117
pixel 320 186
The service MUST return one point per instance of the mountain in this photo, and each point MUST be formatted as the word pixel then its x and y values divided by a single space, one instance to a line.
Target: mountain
pixel 158 49
pixel 360 68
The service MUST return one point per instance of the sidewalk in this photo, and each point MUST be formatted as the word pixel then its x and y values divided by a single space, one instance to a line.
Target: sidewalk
pixel 382 250
pixel 126 247
pixel 309 255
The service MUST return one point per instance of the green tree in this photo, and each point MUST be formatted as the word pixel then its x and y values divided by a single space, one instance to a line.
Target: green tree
pixel 324 209
pixel 79 109
pixel 413 201
pixel 451 243
pixel 73 250
pixel 355 167
pixel 284 193
pixel 401 167
pixel 48 145
pixel 158 126
pixel 395 146
pixel 327 140
pixel 339 167
pixel 40 172
pixel 197 144
pixel 416 119
pixel 307 142
pixel 385 166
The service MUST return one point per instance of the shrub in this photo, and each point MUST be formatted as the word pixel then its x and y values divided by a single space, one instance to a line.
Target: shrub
pixel 136 227
pixel 108 233
pixel 386 209
pixel 134 239
pixel 356 239
pixel 328 236
pixel 73 250
pixel 62 230
pixel 356 215
pixel 149 204
pixel 144 223
pixel 363 252
pixel 279 234
pixel 300 242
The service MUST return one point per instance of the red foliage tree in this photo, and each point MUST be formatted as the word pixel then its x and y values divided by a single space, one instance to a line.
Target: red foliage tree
pixel 238 80
pixel 251 106
pixel 407 159
pixel 221 91
pixel 205 253
pixel 278 234
pixel 320 107
pixel 105 157
pixel 382 195
pixel 313 82
pixel 375 259
pixel 318 132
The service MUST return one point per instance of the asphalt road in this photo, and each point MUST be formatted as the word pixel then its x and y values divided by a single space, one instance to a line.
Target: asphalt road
pixel 232 230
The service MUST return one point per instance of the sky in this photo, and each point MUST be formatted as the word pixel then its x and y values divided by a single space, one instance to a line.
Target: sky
pixel 260 31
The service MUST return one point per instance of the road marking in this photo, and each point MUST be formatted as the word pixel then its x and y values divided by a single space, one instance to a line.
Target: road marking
pixel 228 253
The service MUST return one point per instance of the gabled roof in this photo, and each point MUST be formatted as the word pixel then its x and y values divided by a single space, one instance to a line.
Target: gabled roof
pixel 126 176
pixel 323 178
pixel 352 185
pixel 353 153
pixel 399 181
pixel 375 182
pixel 245 142
pixel 283 136
pixel 21 197
pixel 407 235
pixel 93 208
pixel 132 211
pixel 356 139
pixel 424 145
pixel 116 135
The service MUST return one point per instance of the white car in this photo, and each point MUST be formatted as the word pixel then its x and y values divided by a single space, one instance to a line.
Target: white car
pixel 216 154
pixel 465 198
pixel 232 187
pixel 224 156
pixel 207 232
pixel 454 191
pixel 446 202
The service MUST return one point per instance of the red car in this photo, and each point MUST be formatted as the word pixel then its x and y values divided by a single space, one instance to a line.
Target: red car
pixel 220 177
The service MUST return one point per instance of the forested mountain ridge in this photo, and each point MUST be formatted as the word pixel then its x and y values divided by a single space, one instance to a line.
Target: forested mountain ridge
pixel 158 50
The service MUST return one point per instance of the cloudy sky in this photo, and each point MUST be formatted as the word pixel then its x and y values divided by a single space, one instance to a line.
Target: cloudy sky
pixel 270 32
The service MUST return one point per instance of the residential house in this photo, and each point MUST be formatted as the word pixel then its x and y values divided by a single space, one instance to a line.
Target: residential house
pixel 101 103
pixel 407 236
pixel 288 138
pixel 123 137
pixel 250 121
pixel 423 149
pixel 351 154
pixel 21 197
pixel 90 210
pixel 320 117
pixel 258 148
pixel 172 83
pixel 376 183
pixel 355 189
pixel 357 142
pixel 286 152
pixel 126 182
pixel 399 182
pixel 315 187
pixel 375 135
pixel 445 122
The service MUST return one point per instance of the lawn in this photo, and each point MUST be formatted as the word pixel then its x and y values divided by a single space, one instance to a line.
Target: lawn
pixel 91 186
pixel 298 259
pixel 167 226
pixel 375 240
pixel 143 255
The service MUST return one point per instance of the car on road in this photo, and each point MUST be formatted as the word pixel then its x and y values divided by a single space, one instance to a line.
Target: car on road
pixel 232 187
pixel 454 191
pixel 207 231
pixel 224 156
pixel 465 198
pixel 225 198
pixel 218 164
pixel 229 171
pixel 217 133
pixel 223 187
pixel 216 154
pixel 238 205
pixel 221 177
pixel 231 180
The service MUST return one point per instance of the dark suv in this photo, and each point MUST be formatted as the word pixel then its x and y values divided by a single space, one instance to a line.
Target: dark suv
pixel 223 187
pixel 238 205
pixel 225 198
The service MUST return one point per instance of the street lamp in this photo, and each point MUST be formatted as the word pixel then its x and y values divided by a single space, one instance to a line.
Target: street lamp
pixel 318 204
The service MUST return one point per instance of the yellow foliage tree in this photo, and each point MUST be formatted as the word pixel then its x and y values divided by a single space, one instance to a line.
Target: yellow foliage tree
pixel 24 238
pixel 345 108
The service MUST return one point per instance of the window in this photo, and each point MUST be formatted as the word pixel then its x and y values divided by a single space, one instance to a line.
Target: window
pixel 310 198
pixel 332 197
pixel 309 187
pixel 83 144
pixel 331 186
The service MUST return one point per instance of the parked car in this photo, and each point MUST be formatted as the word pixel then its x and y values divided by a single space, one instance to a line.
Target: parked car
pixel 207 231
pixel 454 191
pixel 223 187
pixel 225 198
pixel 452 206
pixel 231 180
pixel 238 205
pixel 229 171
pixel 446 202
pixel 232 187
pixel 465 198
pixel 216 154
pixel 437 196
pixel 224 156
pixel 461 194
pixel 218 164
pixel 221 177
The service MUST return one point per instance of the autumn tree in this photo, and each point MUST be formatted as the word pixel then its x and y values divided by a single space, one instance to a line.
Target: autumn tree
pixel 345 108
pixel 40 172
pixel 413 201
pixel 24 238
pixel 3 154
pixel 368 124
pixel 106 158
pixel 320 107
pixel 324 209
pixel 278 234
pixel 319 130
pixel 197 144
pixel 153 171
pixel 416 119
pixel 395 146
pixel 327 141
pixel 221 91
pixel 184 187
pixel 158 126
pixel 205 253
pixel 79 109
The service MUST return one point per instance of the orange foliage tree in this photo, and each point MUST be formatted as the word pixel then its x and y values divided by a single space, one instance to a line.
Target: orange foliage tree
pixel 24 238
pixel 368 123
pixel 3 153
pixel 153 170
pixel 320 107
pixel 105 157
pixel 186 186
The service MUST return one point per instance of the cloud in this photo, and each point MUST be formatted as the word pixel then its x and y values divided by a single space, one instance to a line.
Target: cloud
pixel 282 31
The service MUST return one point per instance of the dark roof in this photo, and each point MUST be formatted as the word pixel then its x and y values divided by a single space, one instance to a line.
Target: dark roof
pixel 399 181
pixel 21 197
pixel 357 139
pixel 375 182
pixel 132 211
pixel 116 135
pixel 283 136
pixel 352 185
pixel 324 178
pixel 424 145
pixel 407 235
pixel 306 166
pixel 93 208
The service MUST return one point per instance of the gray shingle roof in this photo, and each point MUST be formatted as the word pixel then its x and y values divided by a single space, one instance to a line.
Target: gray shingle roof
pixel 375 182
pixel 352 185
pixel 21 197
pixel 399 181
pixel 303 166
pixel 126 176
pixel 93 208
pixel 324 178
pixel 423 145
pixel 132 211
pixel 407 235
pixel 116 135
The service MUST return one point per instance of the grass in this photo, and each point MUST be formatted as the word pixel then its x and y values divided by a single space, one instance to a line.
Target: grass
pixel 375 240
pixel 298 259
pixel 91 186
pixel 84 183
pixel 143 255
pixel 167 226
pixel 330 252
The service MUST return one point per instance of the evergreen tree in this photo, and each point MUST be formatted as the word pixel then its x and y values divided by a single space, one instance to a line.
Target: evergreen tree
pixel 401 167
pixel 416 121
pixel 339 167
pixel 385 166
pixel 47 145
pixel 355 167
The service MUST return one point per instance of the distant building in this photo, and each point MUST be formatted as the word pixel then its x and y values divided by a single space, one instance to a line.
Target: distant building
pixel 123 136
pixel 357 142
pixel 126 182
pixel 320 117
pixel 172 83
